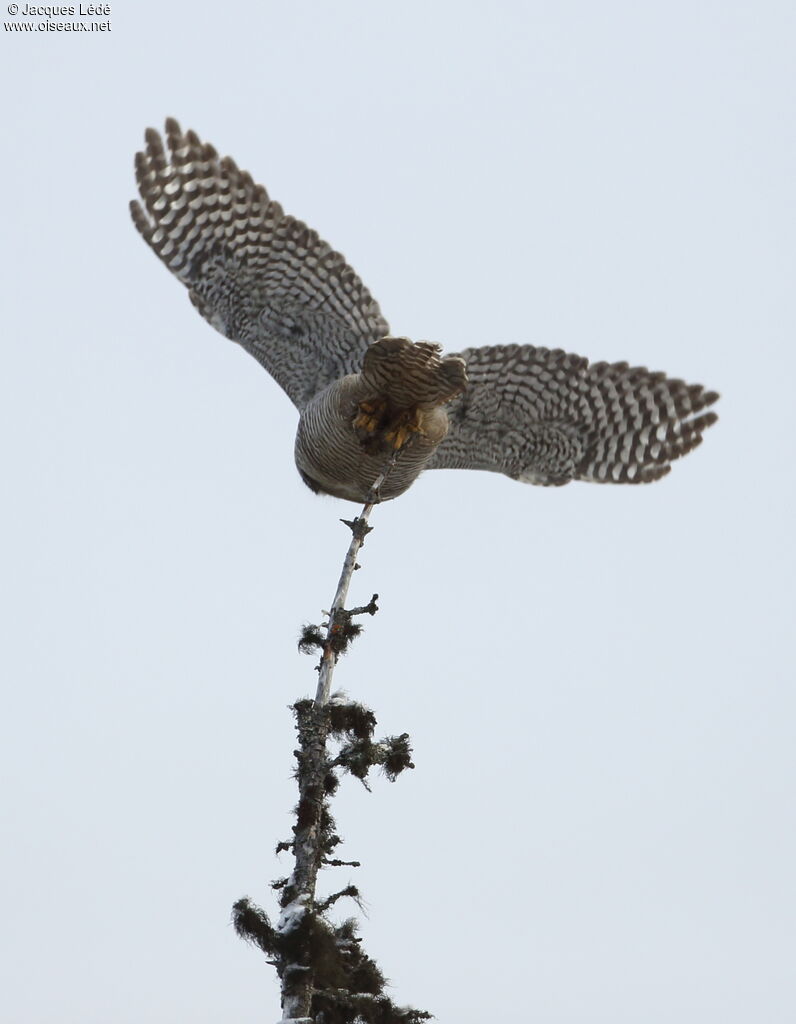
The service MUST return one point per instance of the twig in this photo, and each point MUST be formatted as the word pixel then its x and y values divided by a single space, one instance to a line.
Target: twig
pixel 325 973
pixel 297 984
pixel 359 530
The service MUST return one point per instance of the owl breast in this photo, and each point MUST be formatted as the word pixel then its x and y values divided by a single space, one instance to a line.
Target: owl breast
pixel 334 457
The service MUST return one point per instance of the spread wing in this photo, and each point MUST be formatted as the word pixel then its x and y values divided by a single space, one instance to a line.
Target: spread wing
pixel 260 277
pixel 546 417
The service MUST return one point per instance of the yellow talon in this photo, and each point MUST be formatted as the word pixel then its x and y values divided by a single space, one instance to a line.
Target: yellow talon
pixel 402 429
pixel 395 430
pixel 398 437
pixel 369 416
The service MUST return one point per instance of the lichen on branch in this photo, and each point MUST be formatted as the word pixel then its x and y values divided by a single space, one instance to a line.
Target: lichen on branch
pixel 326 976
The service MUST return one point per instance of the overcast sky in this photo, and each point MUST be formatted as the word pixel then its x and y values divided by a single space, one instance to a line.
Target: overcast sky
pixel 598 681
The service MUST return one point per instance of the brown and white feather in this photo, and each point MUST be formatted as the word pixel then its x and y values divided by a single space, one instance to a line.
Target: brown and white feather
pixel 259 276
pixel 267 281
pixel 548 417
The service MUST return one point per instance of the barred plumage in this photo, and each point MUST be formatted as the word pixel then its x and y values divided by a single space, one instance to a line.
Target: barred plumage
pixel 546 417
pixel 265 280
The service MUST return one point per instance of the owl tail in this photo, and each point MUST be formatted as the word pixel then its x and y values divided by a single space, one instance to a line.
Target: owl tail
pixel 412 374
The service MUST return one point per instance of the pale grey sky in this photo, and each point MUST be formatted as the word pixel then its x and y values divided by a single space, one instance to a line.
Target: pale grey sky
pixel 598 681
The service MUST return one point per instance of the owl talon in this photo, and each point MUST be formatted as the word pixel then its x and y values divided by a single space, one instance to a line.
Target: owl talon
pixel 370 415
pixel 402 429
pixel 397 438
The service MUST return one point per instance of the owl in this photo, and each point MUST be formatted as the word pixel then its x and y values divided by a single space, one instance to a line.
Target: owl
pixel 367 400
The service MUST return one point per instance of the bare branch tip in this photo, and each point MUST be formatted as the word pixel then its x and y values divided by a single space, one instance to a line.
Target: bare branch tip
pixel 359 527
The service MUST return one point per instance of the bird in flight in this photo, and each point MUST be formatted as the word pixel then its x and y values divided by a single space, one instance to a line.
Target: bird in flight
pixel 268 282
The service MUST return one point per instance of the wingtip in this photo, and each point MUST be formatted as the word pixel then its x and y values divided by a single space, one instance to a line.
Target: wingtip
pixel 140 219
